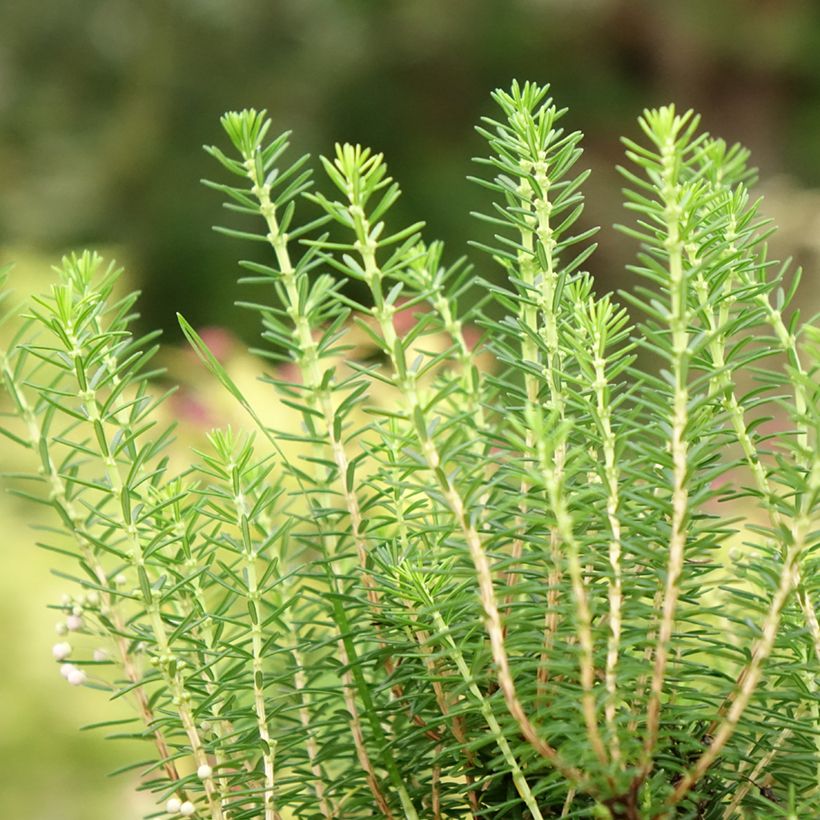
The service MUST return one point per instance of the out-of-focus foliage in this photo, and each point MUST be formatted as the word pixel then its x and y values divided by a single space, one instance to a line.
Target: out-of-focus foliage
pixel 103 105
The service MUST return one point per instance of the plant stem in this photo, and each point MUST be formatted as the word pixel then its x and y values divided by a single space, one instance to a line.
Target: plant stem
pixel 615 595
pixel 312 376
pixel 678 322
pixel 366 246
pixel 553 482
pixel 39 443
pixel 325 805
pixel 521 785
pixel 254 604
pixel 753 670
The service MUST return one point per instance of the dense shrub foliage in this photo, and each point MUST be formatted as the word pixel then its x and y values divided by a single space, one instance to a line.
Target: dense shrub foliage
pixel 526 575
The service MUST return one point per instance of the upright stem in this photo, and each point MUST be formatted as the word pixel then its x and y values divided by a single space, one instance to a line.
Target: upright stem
pixel 721 385
pixel 313 376
pixel 300 682
pixel 456 723
pixel 678 322
pixel 123 514
pixel 521 785
pixel 223 728
pixel 553 481
pixel 257 664
pixel 753 670
pixel 39 443
pixel 611 474
pixel 366 246
pixel 556 403
pixel 168 664
pixel 528 313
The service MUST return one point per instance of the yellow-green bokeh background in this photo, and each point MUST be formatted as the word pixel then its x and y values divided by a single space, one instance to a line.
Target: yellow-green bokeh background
pixel 104 106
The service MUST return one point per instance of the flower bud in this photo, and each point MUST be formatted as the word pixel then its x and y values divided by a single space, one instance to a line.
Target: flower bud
pixel 61 650
pixel 76 677
pixel 74 622
pixel 187 809
pixel 173 805
pixel 204 772
pixel 66 669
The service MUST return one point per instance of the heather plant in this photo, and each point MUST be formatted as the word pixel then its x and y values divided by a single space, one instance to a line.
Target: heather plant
pixel 572 581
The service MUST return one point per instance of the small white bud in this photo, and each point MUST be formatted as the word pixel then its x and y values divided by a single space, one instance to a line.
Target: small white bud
pixel 120 580
pixel 204 772
pixel 76 677
pixel 100 655
pixel 92 598
pixel 173 805
pixel 77 611
pixel 61 629
pixel 74 622
pixel 187 809
pixel 66 599
pixel 61 650
pixel 66 669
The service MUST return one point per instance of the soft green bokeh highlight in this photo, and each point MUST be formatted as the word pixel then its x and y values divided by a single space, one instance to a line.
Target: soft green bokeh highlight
pixel 104 107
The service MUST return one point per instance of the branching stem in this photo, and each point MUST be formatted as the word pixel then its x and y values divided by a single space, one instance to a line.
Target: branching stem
pixel 678 321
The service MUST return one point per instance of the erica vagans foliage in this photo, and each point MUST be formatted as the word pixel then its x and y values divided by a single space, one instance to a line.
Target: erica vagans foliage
pixel 506 565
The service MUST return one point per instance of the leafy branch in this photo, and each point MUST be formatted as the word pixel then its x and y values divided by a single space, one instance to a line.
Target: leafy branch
pixel 488 559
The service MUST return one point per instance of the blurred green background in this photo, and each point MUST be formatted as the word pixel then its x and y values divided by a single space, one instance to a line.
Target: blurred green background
pixel 104 107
